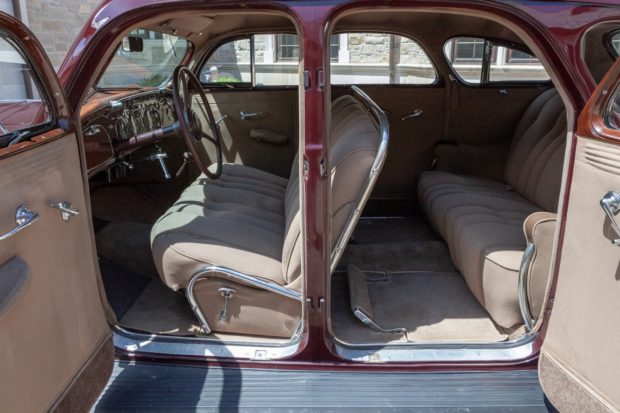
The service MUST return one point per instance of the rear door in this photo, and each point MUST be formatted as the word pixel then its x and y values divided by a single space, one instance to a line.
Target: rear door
pixel 55 341
pixel 579 365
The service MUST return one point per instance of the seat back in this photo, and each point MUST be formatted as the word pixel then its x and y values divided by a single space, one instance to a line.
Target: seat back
pixel 536 158
pixel 291 249
pixel 355 140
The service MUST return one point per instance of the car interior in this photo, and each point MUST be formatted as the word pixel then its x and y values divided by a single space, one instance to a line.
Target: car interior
pixel 445 167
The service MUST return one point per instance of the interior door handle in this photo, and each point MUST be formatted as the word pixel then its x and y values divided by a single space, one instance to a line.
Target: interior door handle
pixel 24 217
pixel 610 203
pixel 251 115
pixel 415 114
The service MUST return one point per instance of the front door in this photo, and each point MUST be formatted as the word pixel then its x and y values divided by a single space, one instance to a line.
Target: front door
pixel 579 364
pixel 55 340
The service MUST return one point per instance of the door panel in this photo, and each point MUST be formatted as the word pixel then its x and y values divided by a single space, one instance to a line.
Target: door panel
pixel 412 140
pixel 55 340
pixel 248 141
pixel 55 322
pixel 579 361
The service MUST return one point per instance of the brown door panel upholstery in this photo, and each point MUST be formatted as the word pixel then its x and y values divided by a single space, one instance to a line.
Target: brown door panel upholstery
pixel 54 323
pixel 412 140
pixel 278 115
pixel 579 361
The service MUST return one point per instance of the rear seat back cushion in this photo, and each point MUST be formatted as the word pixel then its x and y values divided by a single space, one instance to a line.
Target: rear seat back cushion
pixel 534 165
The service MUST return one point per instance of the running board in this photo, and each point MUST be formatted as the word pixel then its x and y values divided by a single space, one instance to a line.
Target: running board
pixel 360 301
pixel 209 388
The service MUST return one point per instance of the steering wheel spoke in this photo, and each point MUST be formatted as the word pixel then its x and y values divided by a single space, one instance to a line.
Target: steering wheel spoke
pixel 190 124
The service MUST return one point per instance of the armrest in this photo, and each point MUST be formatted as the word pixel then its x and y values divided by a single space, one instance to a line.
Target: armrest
pixel 464 159
pixel 264 135
pixel 539 229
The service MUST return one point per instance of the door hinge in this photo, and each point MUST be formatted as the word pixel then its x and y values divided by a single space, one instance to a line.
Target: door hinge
pixel 323 168
pixel 320 76
pixel 306 168
pixel 307 81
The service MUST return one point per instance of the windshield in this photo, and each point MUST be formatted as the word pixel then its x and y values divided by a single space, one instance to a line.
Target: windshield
pixel 149 62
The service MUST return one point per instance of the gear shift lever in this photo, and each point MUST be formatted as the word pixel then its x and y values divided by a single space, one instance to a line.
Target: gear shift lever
pixel 160 156
pixel 187 158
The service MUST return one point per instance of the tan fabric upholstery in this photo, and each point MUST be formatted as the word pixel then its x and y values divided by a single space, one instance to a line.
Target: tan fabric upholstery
pixel 482 220
pixel 249 221
pixel 236 221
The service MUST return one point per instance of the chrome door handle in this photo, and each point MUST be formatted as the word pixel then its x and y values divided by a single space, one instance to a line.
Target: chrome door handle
pixel 66 210
pixel 251 115
pixel 610 203
pixel 415 114
pixel 24 217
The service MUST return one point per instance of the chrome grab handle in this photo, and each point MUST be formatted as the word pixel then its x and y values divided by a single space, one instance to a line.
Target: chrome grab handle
pixel 24 217
pixel 66 210
pixel 610 203
pixel 251 115
pixel 415 114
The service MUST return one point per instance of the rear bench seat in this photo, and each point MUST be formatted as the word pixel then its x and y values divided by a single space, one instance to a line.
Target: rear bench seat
pixel 482 220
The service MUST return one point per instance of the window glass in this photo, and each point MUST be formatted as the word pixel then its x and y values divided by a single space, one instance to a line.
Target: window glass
pixel 615 43
pixel 230 63
pixel 21 105
pixel 504 64
pixel 612 115
pixel 151 64
pixel 379 58
pixel 275 58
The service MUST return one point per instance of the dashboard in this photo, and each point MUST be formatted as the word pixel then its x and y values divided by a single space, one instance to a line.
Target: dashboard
pixel 115 124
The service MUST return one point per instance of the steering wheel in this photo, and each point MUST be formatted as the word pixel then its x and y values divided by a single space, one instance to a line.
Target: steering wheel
pixel 184 83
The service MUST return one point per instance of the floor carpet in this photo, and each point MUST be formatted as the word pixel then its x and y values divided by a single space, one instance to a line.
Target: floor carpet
pixel 432 306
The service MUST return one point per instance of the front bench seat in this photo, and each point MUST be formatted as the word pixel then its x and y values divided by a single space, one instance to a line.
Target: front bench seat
pixel 248 222
pixel 482 220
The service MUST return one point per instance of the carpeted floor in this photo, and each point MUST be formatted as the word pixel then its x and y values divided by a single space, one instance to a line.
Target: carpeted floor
pixel 122 286
pixel 392 230
pixel 160 310
pixel 127 244
pixel 399 256
pixel 144 302
pixel 432 306
pixel 412 283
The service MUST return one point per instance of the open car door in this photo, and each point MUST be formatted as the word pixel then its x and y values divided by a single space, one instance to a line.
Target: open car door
pixel 55 340
pixel 579 364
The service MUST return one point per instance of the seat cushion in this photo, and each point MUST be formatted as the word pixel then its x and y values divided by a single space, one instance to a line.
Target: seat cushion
pixel 236 221
pixel 482 223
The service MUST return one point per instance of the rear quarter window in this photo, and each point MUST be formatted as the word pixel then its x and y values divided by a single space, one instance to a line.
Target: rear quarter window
pixel 380 59
pixel 480 61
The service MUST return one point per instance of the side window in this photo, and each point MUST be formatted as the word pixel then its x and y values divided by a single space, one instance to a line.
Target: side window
pixel 614 43
pixel 612 114
pixel 379 58
pixel 21 103
pixel 479 61
pixel 258 60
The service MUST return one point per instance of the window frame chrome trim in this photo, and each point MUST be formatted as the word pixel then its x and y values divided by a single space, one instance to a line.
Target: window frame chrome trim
pixel 524 307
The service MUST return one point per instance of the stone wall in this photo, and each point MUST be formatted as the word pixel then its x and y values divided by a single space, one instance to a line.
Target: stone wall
pixel 56 23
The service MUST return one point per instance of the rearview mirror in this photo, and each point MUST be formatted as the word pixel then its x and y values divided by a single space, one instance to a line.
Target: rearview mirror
pixel 132 44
